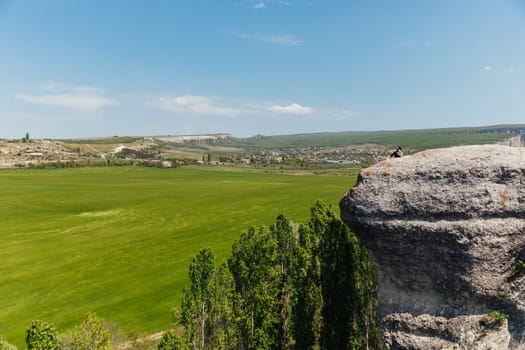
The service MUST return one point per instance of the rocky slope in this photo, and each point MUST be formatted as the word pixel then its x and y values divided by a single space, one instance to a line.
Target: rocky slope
pixel 446 229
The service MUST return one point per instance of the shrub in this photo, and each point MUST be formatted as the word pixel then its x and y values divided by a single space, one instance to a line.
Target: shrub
pixel 91 334
pixel 42 336
pixel 518 268
pixel 5 345
pixel 494 319
pixel 170 341
pixel 497 317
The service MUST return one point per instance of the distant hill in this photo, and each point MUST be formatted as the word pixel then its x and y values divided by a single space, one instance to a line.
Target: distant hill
pixel 410 139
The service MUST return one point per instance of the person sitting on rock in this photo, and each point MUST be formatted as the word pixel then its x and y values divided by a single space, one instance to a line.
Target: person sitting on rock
pixel 398 153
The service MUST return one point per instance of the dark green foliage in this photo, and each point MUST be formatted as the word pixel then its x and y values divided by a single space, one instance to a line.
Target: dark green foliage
pixel 311 288
pixel 336 282
pixel 42 336
pixel 497 317
pixel 253 265
pixel 282 233
pixel 348 282
pixel 518 268
pixel 206 305
pixel 170 341
pixel 307 285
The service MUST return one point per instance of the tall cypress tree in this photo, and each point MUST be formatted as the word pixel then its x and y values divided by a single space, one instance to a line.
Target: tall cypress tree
pixel 307 308
pixel 283 234
pixel 337 286
pixel 196 301
pixel 255 270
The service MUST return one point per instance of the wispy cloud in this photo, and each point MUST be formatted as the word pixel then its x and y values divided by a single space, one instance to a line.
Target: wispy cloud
pixel 211 106
pixel 487 68
pixel 84 98
pixel 197 105
pixel 510 70
pixel 293 108
pixel 282 39
pixel 259 5
pixel 279 39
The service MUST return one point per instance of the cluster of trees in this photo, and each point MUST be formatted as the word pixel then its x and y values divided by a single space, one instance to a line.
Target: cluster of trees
pixel 90 162
pixel 288 286
pixel 91 334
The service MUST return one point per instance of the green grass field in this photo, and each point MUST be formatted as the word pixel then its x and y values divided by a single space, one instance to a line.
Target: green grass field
pixel 117 241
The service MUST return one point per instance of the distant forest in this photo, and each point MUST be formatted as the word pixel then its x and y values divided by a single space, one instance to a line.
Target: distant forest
pixel 416 139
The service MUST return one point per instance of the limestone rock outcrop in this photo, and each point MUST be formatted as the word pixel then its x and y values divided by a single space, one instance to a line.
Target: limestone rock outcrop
pixel 446 229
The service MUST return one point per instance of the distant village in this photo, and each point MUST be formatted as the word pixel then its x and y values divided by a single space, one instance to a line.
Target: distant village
pixel 169 151
pixel 179 150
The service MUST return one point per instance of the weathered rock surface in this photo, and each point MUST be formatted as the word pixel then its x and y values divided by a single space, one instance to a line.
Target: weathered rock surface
pixel 446 229
pixel 476 332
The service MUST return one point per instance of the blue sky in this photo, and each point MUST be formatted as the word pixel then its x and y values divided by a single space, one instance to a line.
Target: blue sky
pixel 122 67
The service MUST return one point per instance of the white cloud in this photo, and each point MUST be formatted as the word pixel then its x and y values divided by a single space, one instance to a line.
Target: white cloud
pixel 209 106
pixel 487 68
pixel 510 70
pixel 259 6
pixel 293 108
pixel 197 105
pixel 281 39
pixel 86 98
pixel 75 100
pixel 284 39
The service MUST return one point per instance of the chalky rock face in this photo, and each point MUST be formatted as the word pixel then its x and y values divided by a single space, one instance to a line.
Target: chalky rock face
pixel 446 229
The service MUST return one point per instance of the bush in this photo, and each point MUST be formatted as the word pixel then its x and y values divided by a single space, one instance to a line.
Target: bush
pixel 497 317
pixel 91 334
pixel 170 341
pixel 5 345
pixel 42 336
pixel 518 268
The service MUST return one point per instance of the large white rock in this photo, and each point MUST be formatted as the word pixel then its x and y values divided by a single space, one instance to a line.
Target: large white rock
pixel 446 229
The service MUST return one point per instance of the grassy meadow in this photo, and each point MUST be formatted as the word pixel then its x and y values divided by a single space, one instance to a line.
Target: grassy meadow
pixel 117 241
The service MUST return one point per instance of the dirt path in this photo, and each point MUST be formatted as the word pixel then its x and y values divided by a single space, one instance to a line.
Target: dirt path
pixel 148 338
pixel 94 149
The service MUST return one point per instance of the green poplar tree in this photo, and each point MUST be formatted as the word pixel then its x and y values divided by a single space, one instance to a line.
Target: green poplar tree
pixel 307 279
pixel 196 302
pixel 337 286
pixel 253 265
pixel 283 234
pixel 223 334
